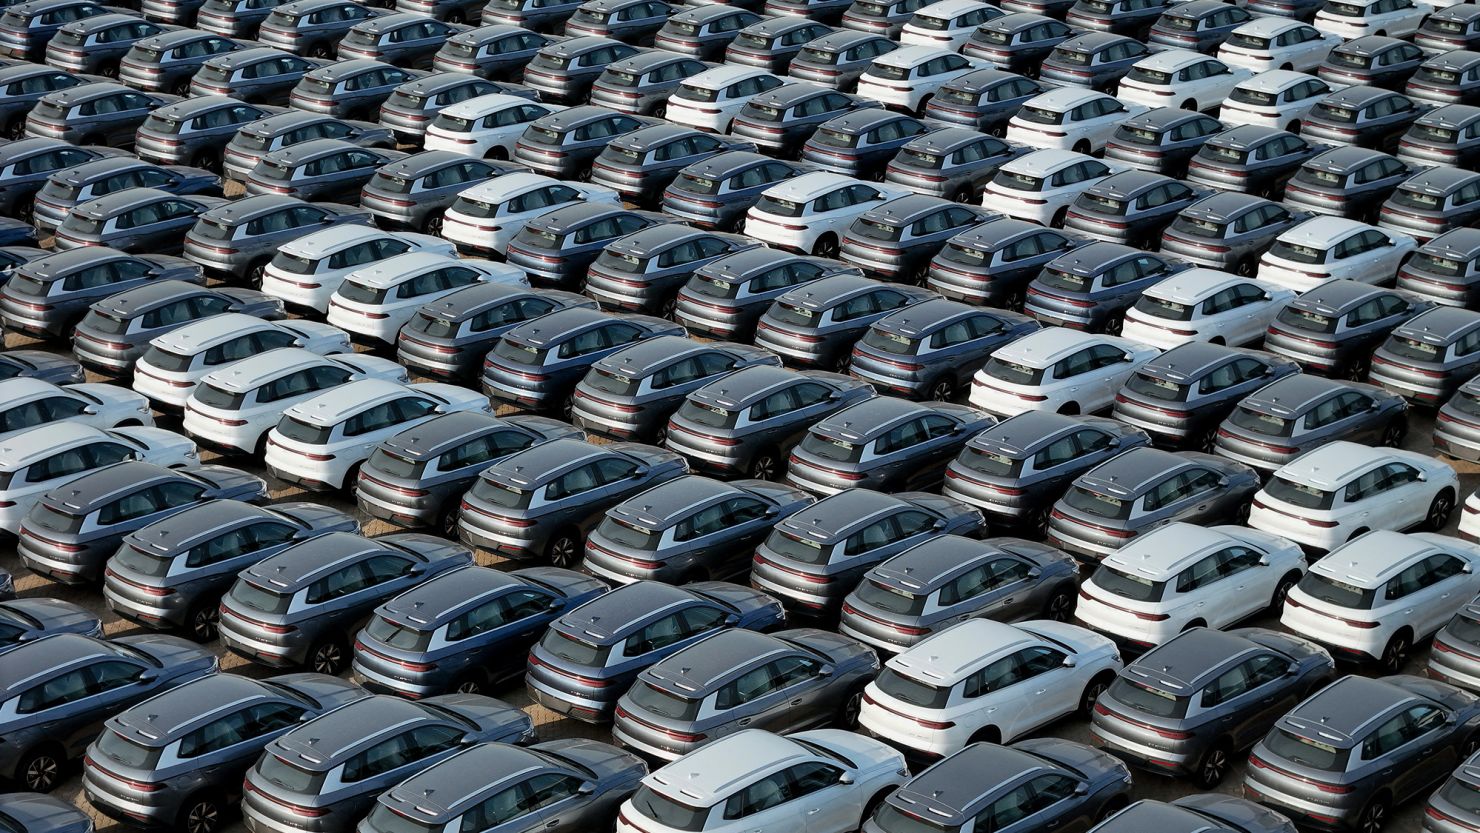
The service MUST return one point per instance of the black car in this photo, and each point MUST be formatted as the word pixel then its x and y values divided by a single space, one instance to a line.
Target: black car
pixel 1432 202
pixel 1371 61
pixel 643 271
pixel 839 58
pixel 565 144
pixel 718 191
pixel 899 239
pixel 1091 287
pixel 261 75
pixel 1131 207
pixel 1255 160
pixel 1447 78
pixel 983 99
pixel 1163 140
pixel 22 85
pixel 704 31
pixel 1362 116
pixel 1200 25
pixel 414 192
pixel 994 263
pixel 1446 269
pixel 640 165
pixel 1017 42
pixel 1097 60
pixel 780 121
pixel 1228 231
pixel 497 52
pixel 773 42
pixel 564 71
pixel 1347 182
pixel 862 143
pixel 448 339
pixel 1182 396
pixel 1450 28
pixel 952 162
pixel 1333 329
pixel 727 297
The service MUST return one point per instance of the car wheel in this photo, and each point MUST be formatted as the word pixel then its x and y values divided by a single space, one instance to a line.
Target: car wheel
pixel 766 464
pixel 1060 607
pixel 668 307
pixel 564 550
pixel 1039 519
pixel 1111 807
pixel 1082 146
pixel 25 211
pixel 328 656
pixel 924 105
pixel 942 389
pixel 203 621
pixel 1282 590
pixel 1247 267
pixel 1213 766
pixel 661 111
pixel 201 814
pixel 852 706
pixel 1058 218
pixel 255 273
pixel 826 246
pixel 1394 432
pixel 1373 816
pixel 1092 693
pixel 497 154
pixel 1114 325
pixel 16 129
pixel 962 195
pixel 433 224
pixel 1190 105
pixel 319 50
pixel 40 770
pixel 1241 514
pixel 1293 126
pixel 1439 510
pixel 1358 369
pixel 471 683
pixel 986 734
pixel 447 519
pixel 1015 299
pixel 1395 654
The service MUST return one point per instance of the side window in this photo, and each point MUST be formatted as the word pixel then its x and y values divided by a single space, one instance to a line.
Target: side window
pixel 58 691
pixel 383 757
pixel 995 676
pixel 764 794
pixel 656 635
pixel 1398 731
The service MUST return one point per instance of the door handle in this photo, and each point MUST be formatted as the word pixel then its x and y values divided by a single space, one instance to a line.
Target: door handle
pixel 814 811
pixel 1040 691
pixel 744 720
pixel 797 702
pixel 555 823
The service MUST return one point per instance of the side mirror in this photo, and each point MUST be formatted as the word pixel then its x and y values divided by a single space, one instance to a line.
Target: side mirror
pixel 1292 670
pixel 298 342
pixel 845 778
pixel 1035 572
pixel 147 676
pixel 553 605
pixel 89 410
pixel 1081 788
pixel 1264 561
pixel 825 671
pixel 1068 662
pixel 1421 477
pixel 640 471
pixel 772 511
pixel 732 620
pixel 938 524
pixel 1467 569
pixel 586 788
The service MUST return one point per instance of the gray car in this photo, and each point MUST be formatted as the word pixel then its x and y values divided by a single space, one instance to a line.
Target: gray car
pixel 816 324
pixel 36 813
pixel 541 502
pixel 747 422
pixel 537 364
pixel 46 297
pixel 166 62
pixel 1347 756
pixel 27 164
pixel 781 120
pixel 1228 231
pixel 1161 140
pixel 1189 706
pixel 1134 208
pixel 1430 356
pixel 632 21
pixel 1015 470
pixel 241 237
pixel 138 220
pixel 533 15
pixel 1444 269
pixel 883 443
pixel 259 75
pixel 898 240
pixel 26 27
pixel 1252 159
pixel 571 784
pixel 704 31
pixel 1143 489
pixel 564 71
pixel 954 162
pixel 1284 420
pixel 27 620
pixel 630 394
pixel 414 192
pixel 688 529
pixel 417 477
pixel 982 99
pixel 234 18
pixel 117 329
pixel 725 298
pixel 349 89
pixel 170 575
pixel 73 529
pixel 557 247
pixel 23 84
pixel 261 137
pixel 465 630
pixel 773 42
pixel 96 44
pixel 1456 655
pixel 1182 396
pixel 39 364
pixel 950 579
pixel 814 558
pixel 717 192
pixel 929 351
pixel 1451 808
pixel 105 113
pixel 1457 427
pixel 1346 182
pixel 783 682
pixel 313 27
pixel 642 164
pixel 63 687
pixel 1432 202
pixel 298 606
pixel 175 761
pixel 1003 264
pixel 448 338
pixel 1333 329
pixel 320 169
pixel 414 105
pixel 497 52
pixel 195 131
pixel 642 83
pixel 565 144
pixel 1197 813
pixel 591 655
pixel 1072 787
pixel 407 39
pixel 324 775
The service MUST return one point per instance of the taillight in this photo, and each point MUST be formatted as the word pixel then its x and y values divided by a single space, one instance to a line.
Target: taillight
pixel 138 786
pixel 1335 789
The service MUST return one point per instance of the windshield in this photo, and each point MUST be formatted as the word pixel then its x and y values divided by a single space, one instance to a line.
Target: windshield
pixel 708 415
pixel 1128 585
pixel 667 812
pixel 1304 751
pixel 629 534
pixel 1017 374
pixel 115 747
pixel 991 463
pixel 395 465
pixel 830 448
pixel 289 777
pixel 663 703
pixel 1150 386
pixel 304 432
pixel 142 562
pixel 1302 319
pixel 260 598
pixel 890 599
pixel 572 649
pixel 1164 309
pixel 498 494
pixel 207 394
pixel 798 548
pixel 1412 348
pixel 1261 423
pixel 1299 494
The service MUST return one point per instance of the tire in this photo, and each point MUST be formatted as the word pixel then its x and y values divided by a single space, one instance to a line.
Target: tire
pixel 766 464
pixel 201 813
pixel 1241 514
pixel 1092 693
pixel 941 389
pixel 1247 267
pixel 351 477
pixel 16 129
pixel 328 656
pixel 668 307
pixel 826 246
pixel 1190 105
pixel 473 682
pixel 661 111
pixel 202 622
pixel 1058 218
pixel 447 519
pixel 963 195
pixel 40 769
pixel 319 50
pixel 1208 440
pixel 1112 807
pixel 1394 432
pixel 986 734
pixel 1213 766
pixel 1395 654
pixel 1069 409
pixel 433 224
pixel 1038 521
pixel 1082 146
pixel 256 272
pixel 1359 368
pixel 1281 590
pixel 564 550
pixel 1439 511
pixel 852 706
pixel 497 154
pixel 1114 325
pixel 924 105
pixel 1060 606
pixel 1193 625
pixel 1293 126
pixel 1374 816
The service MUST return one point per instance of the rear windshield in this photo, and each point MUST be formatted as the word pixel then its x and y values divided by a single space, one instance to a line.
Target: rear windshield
pixel 1154 388
pixel 663 703
pixel 1129 585
pixel 574 650
pixel 1138 136
pixel 361 294
pixel 1337 593
pixel 1164 309
pixel 1258 98
pixel 1147 700
pixel 912 691
pixel 708 415
pixel 105 323
pixel 800 316
pixel 1243 41
pixel 289 777
pixel 1261 423
pixel 519 353
pixel 49 517
pixel 1432 133
pixel 1059 279
pixel 780 207
pixel 629 535
pixel 260 598
pixel 433 327
pixel 115 747
pixel 1439 265
pixel 170 362
pixel 1303 319
pixel 1412 348
pixel 613 383
pixel 797 548
pixel 1466 403
pixel 1018 374
pixel 385 820
pixel 888 73
pixel 1299 494
pixel 294 264
pixel 667 812
pixel 1464 628
pixel 921 159
pixel 394 465
pixel 397 635
pixel 689 92
pixel 1336 113
pixel 142 562
pixel 892 819
pixel 992 463
pixel 217 398
pixel 1200 228
pixel 1461 794
pixel 887 342
pixel 830 448
pixel 1094 503
pixel 1304 751
pixel 1018 182
pixel 820 56
pixel 890 599
pixel 498 494
pixel 1413 199
pixel 304 432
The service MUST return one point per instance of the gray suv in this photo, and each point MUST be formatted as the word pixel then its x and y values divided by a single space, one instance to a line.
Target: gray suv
pixel 1281 421
pixel 116 330
pixel 241 237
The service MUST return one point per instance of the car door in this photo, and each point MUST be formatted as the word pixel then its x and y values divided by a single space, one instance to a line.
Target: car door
pixel 1410 750
pixel 763 806
pixel 1366 502
pixel 824 803
pixel 223 746
pixel 1044 688
pixel 998 589
pixel 1249 697
pixel 112 685
pixel 1445 590
pixel 1200 497
pixel 557 798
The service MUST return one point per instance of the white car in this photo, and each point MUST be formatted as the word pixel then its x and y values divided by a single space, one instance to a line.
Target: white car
pixel 320 443
pixel 173 363
pixel 484 218
pixel 947 24
pixel 486 126
pixel 1277 98
pixel 810 213
pixel 1352 19
pixel 1325 249
pixel 1040 186
pixel 710 100
pixel 1069 118
pixel 376 302
pixel 1057 369
pixel 37 460
pixel 1469 520
pixel 1379 595
pixel 26 403
pixel 757 782
pixel 1343 490
pixel 1266 43
pixel 1182 576
pixel 307 270
pixel 908 77
pixel 1180 78
pixel 233 408
pixel 1204 305
pixel 984 680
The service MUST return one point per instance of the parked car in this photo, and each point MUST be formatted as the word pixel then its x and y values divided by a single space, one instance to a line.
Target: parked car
pixel 1277 42
pixel 1040 186
pixel 486 126
pixel 862 143
pixel 117 330
pixel 955 163
pixel 780 120
pixel 136 220
pixel 726 298
pixel 27 402
pixel 642 164
pixel 564 70
pixel 1429 357
pixel 771 43
pixel 256 140
pixel 47 296
pixel 305 271
pixel 1454 430
pixel 1275 98
pixel 495 51
pixel 510 201
pixel 1373 61
pixel 1446 135
pixel 1017 42
pixel 1362 116
pixel 1080 287
pixel 1201 28
pixel 313 27
pixel 1130 207
pixel 823 204
pixel 1202 82
pixel 374 302
pixel 41 365
pixel 1331 248
pixel 930 350
pixel 167 62
pixel 644 82
pixel 1440 269
pixel 27 620
pixel 103 113
pixel 1056 369
pixel 22 84
pixel 1346 182
pixel 1446 78
pixel 1450 28
pixel 719 191
pixel 711 99
pixel 838 59
pixel 1095 60
pixel 1353 20
pixel 558 248
pixel 704 31
pixel 817 324
pixel 1334 329
pixel 1205 305
pixel 1162 140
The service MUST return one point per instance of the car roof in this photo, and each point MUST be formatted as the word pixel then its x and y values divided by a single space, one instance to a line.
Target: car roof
pixel 712 772
pixel 950 8
pixel 1063 99
pixel 1129 473
pixel 1460 59
pixel 1262 26
pixel 604 617
pixel 944 140
pixel 446 788
pixel 397 269
pixel 1024 432
pixel 1164 552
pixel 161 719
pixel 29 659
pixel 1338 296
pixel 947 656
pixel 431 601
pixel 332 239
pixel 321 741
pixel 1357 97
pixel 1322 232
pixel 643 357
pixel 1452 116
pixel 667 503
pixel 1342 159
pixel 1174 59
pixel 1042 348
pixel 1440 323
pixel 1371 559
pixel 809 186
pixel 840 512
pixel 1093 41
pixel 1274 80
pixel 747 384
pixel 697 668
pixel 178 531
pixel 99 486
pixel 1339 711
pixel 923 566
pixel 36 443
pixel 1458 244
pixel 1368 45
pixel 1223 206
pixel 860 120
pixel 255 370
pixel 1180 663
pixel 947 792
pixel 544 462
pixel 1439 180
pixel 1043 162
pixel 777 25
pixel 1187 362
pixel 869 418
pixel 1193 285
pixel 1291 395
pixel 723 76
pixel 1332 465
pixel 432 437
pixel 921 319
pixel 340 403
pixel 199 335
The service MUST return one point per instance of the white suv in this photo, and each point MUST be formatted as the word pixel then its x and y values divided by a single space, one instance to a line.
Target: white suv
pixel 1325 249
pixel 984 680
pixel 1182 575
pixel 27 403
pixel 1379 595
pixel 710 100
pixel 486 126
pixel 909 76
pixel 1069 118
pixel 376 302
pixel 1039 186
pixel 810 213
pixel 306 271
pixel 1057 369
pixel 1204 305
pixel 484 218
